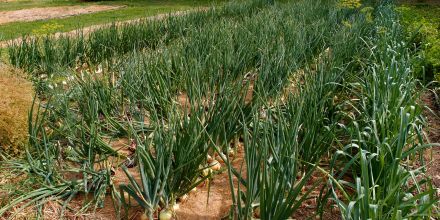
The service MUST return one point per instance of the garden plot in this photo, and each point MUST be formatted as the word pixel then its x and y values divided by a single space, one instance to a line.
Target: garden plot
pixel 34 14
pixel 296 109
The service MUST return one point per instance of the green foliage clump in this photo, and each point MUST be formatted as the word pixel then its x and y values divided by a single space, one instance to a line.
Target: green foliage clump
pixel 47 29
pixel 423 26
pixel 433 57
pixel 350 4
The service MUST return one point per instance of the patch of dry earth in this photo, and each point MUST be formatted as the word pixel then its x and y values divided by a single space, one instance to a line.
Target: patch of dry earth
pixel 34 14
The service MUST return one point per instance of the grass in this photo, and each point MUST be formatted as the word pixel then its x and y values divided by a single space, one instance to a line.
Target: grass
pixel 322 95
pixel 132 10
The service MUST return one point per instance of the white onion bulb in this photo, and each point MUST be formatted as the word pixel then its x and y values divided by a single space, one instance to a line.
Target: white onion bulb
pixel 257 212
pixel 165 214
pixel 183 198
pixel 206 171
pixel 176 206
pixel 215 165
pixel 209 158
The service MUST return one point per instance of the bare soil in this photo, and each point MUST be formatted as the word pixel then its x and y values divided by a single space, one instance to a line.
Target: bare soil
pixel 34 14
pixel 212 200
pixel 432 114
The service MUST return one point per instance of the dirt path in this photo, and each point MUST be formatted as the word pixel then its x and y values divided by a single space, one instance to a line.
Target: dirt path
pixel 34 14
pixel 433 132
pixel 87 30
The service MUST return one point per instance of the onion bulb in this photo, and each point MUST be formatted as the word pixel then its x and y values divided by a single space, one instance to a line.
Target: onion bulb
pixel 206 171
pixel 221 156
pixel 215 165
pixel 165 214
pixel 176 207
pixel 183 198
pixel 209 158
pixel 257 212
pixel 407 196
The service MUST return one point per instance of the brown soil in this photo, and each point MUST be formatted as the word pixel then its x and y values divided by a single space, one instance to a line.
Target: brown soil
pixel 213 199
pixel 34 14
pixel 433 132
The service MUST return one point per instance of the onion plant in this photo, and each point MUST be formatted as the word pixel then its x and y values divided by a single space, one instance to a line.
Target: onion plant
pixel 49 164
pixel 385 135
pixel 271 189
pixel 154 167
pixel 45 54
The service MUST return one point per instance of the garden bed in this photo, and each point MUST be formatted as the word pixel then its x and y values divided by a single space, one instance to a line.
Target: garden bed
pixel 256 109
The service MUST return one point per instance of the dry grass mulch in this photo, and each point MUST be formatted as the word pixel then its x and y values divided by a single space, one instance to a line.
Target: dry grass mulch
pixel 16 95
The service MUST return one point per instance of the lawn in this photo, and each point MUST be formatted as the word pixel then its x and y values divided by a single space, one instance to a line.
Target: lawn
pixel 132 10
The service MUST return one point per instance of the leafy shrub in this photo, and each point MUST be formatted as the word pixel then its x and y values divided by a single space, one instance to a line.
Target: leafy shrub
pixel 350 4
pixel 423 26
pixel 47 29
